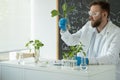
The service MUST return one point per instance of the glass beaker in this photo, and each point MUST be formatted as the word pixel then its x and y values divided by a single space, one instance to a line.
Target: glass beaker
pixel 83 65
pixel 37 56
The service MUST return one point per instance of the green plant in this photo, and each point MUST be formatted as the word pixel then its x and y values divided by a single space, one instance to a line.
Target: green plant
pixel 73 51
pixel 65 11
pixel 64 14
pixel 35 43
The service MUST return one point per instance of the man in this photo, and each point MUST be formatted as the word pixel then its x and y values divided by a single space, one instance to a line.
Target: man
pixel 99 35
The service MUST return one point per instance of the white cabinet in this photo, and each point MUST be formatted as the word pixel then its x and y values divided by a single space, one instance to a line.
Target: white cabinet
pixel 93 73
pixel 12 73
pixel 46 75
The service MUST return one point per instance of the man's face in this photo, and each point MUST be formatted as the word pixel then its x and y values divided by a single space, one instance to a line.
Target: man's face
pixel 95 15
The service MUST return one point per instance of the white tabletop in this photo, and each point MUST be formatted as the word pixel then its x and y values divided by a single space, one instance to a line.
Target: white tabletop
pixel 92 69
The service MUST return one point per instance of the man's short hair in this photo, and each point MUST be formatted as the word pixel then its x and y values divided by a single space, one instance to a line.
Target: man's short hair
pixel 103 4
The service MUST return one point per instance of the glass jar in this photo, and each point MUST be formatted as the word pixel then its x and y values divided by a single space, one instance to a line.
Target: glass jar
pixel 83 65
pixel 37 55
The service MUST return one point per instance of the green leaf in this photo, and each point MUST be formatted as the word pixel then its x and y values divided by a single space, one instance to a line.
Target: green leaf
pixel 55 13
pixel 64 7
pixel 84 53
pixel 27 44
pixel 65 55
pixel 31 41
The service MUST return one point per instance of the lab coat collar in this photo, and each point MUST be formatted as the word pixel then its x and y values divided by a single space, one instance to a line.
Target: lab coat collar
pixel 109 27
pixel 106 30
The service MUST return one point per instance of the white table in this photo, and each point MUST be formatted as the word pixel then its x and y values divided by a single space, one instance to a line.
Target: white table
pixel 10 70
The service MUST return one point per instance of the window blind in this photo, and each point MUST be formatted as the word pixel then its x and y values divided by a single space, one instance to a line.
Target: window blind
pixel 15 23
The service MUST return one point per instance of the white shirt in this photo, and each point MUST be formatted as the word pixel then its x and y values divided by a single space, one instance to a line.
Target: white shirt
pixel 95 47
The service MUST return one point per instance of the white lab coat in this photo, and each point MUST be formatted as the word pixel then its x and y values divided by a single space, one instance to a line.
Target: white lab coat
pixel 110 43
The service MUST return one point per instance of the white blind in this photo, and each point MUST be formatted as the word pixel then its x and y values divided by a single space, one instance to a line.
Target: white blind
pixel 15 23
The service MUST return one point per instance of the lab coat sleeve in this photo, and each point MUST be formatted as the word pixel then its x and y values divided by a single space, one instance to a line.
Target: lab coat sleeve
pixel 75 38
pixel 111 55
pixel 71 39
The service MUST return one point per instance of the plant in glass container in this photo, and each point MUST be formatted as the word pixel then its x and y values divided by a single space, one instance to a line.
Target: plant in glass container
pixel 36 45
pixel 73 51
pixel 77 52
pixel 72 54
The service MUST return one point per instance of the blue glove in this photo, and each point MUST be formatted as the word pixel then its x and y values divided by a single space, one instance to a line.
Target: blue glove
pixel 79 60
pixel 62 24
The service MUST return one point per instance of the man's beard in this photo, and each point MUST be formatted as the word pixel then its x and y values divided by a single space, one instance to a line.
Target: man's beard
pixel 96 23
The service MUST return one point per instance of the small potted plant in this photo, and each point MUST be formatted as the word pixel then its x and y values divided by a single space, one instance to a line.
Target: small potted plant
pixel 36 45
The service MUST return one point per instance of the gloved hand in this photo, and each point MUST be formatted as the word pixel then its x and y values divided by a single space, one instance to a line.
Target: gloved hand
pixel 62 24
pixel 79 59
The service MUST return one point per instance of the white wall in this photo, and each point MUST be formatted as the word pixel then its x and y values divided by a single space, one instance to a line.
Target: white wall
pixel 44 26
pixel 22 20
pixel 15 24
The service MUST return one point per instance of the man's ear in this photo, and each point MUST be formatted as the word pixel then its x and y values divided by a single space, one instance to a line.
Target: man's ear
pixel 105 14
